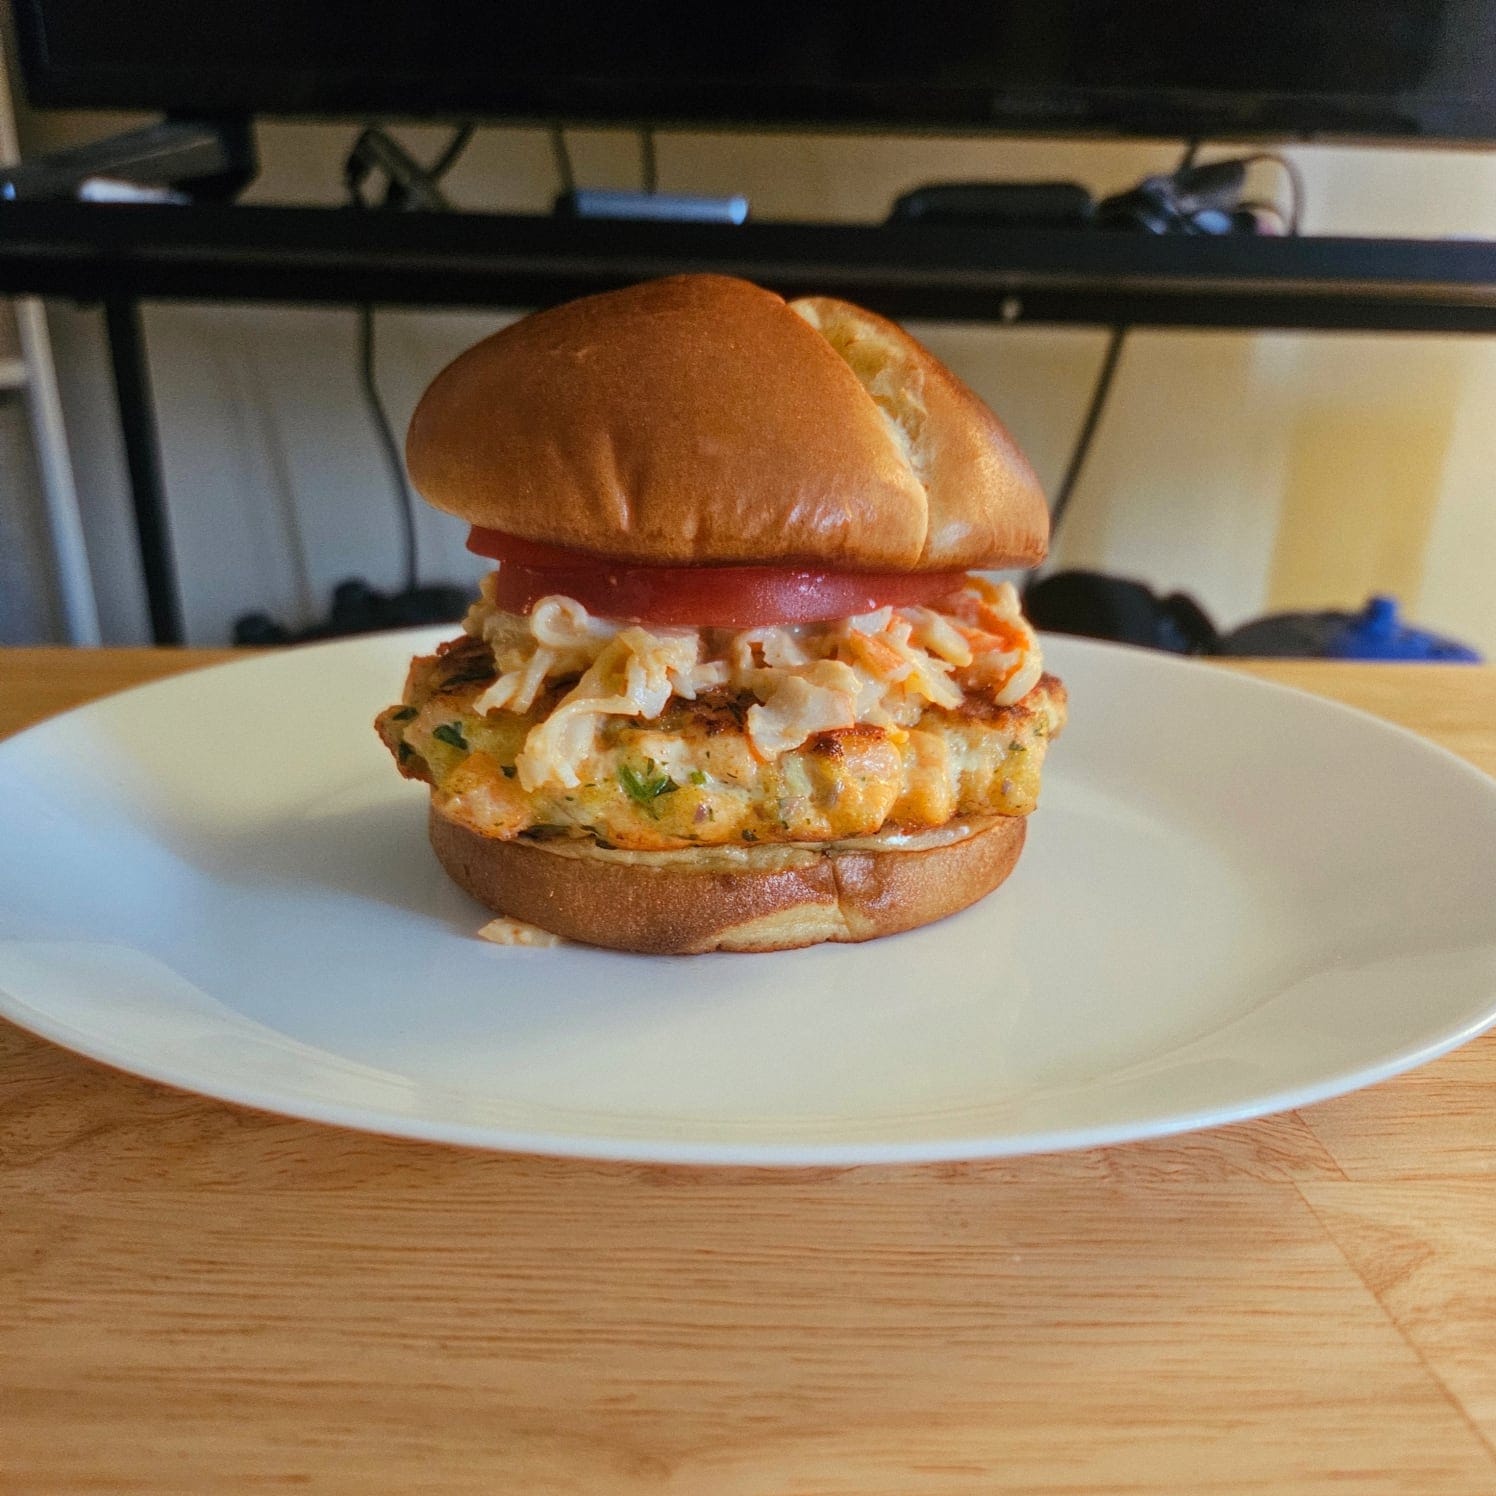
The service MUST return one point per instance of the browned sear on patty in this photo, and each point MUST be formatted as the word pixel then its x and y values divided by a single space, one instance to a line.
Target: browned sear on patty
pixel 691 778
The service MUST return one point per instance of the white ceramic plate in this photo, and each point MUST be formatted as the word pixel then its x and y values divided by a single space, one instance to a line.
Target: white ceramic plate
pixel 1235 899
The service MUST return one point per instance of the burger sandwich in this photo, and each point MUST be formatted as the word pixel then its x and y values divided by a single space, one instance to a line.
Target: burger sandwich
pixel 730 685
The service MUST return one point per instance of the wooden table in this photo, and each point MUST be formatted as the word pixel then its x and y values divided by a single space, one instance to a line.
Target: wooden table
pixel 198 1298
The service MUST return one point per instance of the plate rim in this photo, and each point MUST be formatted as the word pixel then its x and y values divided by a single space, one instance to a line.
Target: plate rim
pixel 757 1155
pixel 665 1150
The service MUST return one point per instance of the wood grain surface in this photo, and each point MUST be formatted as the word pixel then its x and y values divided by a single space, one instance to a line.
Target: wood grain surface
pixel 198 1298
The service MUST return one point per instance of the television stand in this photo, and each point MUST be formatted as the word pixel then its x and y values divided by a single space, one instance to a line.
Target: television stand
pixel 121 255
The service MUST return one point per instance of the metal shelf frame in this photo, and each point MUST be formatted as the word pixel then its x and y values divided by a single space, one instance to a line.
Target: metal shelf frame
pixel 120 255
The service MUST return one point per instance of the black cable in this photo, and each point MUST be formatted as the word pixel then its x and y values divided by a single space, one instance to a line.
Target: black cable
pixel 1295 214
pixel 562 154
pixel 369 384
pixel 1261 205
pixel 391 448
pixel 353 172
pixel 1191 150
pixel 1088 425
pixel 649 164
pixel 448 158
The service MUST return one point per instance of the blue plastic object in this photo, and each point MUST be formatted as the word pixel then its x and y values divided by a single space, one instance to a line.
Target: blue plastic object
pixel 655 207
pixel 1378 633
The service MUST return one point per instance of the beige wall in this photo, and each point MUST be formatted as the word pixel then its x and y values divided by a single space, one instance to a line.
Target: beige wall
pixel 1257 470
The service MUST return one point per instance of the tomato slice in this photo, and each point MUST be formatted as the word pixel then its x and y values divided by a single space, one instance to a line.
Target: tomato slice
pixel 699 596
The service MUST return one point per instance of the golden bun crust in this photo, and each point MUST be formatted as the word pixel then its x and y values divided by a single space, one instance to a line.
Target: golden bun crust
pixel 765 898
pixel 702 420
pixel 983 499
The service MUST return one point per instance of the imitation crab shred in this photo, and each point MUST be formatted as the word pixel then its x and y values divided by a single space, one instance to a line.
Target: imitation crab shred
pixel 882 668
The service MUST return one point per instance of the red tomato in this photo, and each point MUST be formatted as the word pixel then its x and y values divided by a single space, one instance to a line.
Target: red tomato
pixel 700 596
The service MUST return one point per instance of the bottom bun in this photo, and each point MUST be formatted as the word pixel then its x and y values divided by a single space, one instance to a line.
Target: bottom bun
pixel 770 897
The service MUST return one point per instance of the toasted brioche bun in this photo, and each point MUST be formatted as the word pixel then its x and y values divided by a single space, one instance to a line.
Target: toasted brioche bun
pixel 703 420
pixel 761 898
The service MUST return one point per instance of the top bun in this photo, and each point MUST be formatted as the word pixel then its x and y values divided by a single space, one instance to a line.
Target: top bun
pixel 703 420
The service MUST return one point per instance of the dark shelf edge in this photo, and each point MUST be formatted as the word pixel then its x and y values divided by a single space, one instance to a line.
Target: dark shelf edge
pixel 338 256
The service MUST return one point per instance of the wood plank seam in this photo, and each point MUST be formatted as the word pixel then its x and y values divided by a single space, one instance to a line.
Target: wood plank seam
pixel 1445 1390
pixel 1305 1115
pixel 1301 1115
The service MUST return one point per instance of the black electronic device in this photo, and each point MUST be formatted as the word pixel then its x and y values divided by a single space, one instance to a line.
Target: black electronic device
pixel 1194 200
pixel 1205 199
pixel 1097 606
pixel 358 608
pixel 204 159
pixel 1034 205
pixel 1343 68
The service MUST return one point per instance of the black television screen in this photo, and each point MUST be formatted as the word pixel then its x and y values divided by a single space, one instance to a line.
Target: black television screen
pixel 1350 68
